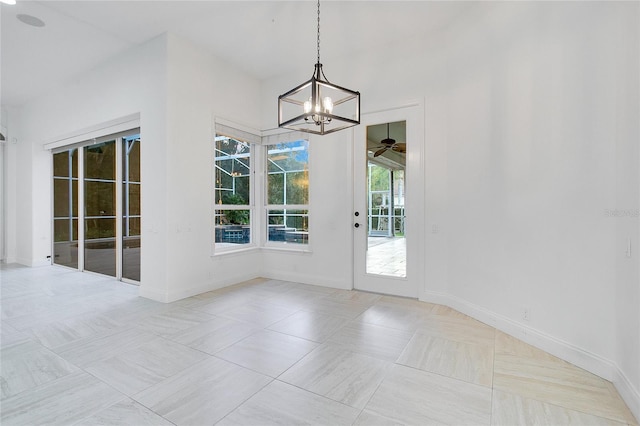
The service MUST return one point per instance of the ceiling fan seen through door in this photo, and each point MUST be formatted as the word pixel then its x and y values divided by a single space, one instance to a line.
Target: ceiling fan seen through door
pixel 391 144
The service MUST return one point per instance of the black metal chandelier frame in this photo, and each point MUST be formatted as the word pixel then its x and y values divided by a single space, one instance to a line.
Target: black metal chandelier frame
pixel 317 113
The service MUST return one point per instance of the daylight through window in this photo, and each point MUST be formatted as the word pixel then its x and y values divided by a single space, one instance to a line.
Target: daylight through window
pixel 233 192
pixel 288 192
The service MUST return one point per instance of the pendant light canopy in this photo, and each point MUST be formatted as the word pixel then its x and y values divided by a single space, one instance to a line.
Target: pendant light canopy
pixel 318 106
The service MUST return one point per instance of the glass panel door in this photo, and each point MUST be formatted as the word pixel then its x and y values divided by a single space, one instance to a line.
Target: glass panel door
pixel 131 213
pixel 100 208
pixel 388 191
pixel 65 208
pixel 386 162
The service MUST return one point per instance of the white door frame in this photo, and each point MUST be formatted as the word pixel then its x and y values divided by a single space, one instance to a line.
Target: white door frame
pixel 408 286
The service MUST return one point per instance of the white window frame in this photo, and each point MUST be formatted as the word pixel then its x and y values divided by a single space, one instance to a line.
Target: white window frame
pixel 268 141
pixel 252 138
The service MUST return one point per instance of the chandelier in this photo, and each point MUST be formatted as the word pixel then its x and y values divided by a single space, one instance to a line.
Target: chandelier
pixel 318 106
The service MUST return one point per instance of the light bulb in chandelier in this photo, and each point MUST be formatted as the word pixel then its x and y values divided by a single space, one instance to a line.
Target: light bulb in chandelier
pixel 325 108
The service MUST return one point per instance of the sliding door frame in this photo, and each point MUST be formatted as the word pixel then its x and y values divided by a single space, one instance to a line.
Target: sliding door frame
pixel 119 197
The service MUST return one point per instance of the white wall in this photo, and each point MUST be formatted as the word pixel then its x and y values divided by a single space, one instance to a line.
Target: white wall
pixel 176 89
pixel 530 110
pixel 106 93
pixel 627 288
pixel 200 87
pixel 330 204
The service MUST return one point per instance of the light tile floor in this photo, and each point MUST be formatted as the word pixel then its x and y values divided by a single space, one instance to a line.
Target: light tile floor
pixel 83 349
pixel 387 256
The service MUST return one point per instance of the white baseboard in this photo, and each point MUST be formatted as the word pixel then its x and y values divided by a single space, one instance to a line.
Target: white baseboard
pixel 630 395
pixel 341 284
pixel 152 294
pixel 210 286
pixel 32 263
pixel 564 350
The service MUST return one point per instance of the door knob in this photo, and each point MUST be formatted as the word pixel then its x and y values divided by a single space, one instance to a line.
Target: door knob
pixel 357 225
pixel 357 214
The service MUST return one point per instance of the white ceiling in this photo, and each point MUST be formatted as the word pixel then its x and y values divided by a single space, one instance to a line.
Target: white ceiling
pixel 264 38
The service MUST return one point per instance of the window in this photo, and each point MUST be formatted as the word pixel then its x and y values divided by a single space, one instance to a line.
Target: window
pixel 233 193
pixel 287 192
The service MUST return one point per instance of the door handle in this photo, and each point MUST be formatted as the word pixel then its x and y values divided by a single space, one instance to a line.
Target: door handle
pixel 357 225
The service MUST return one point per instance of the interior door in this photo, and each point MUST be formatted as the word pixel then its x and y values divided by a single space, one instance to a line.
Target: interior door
pixel 388 216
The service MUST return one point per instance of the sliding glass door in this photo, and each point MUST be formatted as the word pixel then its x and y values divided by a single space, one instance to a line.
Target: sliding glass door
pixel 100 208
pixel 102 176
pixel 131 213
pixel 65 208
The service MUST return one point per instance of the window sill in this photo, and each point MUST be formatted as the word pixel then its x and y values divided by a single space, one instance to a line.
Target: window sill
pixel 235 251
pixel 290 248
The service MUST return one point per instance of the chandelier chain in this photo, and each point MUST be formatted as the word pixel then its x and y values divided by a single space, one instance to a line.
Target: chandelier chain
pixel 318 31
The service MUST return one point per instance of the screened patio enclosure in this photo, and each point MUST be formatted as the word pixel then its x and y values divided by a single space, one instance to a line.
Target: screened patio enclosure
pixel 385 201
pixel 285 191
pixel 233 198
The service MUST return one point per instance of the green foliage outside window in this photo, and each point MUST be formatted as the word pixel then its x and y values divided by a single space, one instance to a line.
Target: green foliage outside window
pixel 235 217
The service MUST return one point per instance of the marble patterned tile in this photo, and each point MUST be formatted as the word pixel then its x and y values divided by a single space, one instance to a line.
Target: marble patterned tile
pixel 278 286
pixel 260 289
pixel 310 325
pixel 135 370
pixel 132 310
pixel 27 365
pixel 261 314
pixel 394 315
pixel 531 373
pixel 448 312
pixel 369 418
pixel 92 349
pixel 268 352
pixel 407 302
pixel 78 327
pixel 195 301
pixel 215 335
pixel 88 319
pixel 173 321
pixel 470 362
pixel 355 296
pixel 459 329
pixel 204 393
pixel 59 402
pixel 125 413
pixel 373 340
pixel 223 302
pixel 314 288
pixel 336 307
pixel 510 409
pixel 34 316
pixel 416 397
pixel 16 307
pixel 282 404
pixel 9 336
pixel 297 297
pixel 13 288
pixel 341 375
